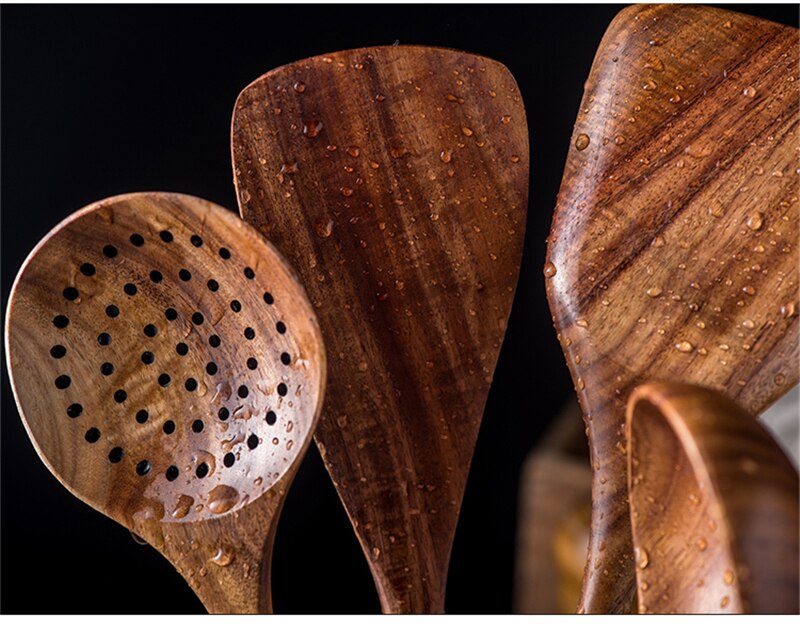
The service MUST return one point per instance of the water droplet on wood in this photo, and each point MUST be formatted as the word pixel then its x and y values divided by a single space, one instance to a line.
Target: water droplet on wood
pixel 582 141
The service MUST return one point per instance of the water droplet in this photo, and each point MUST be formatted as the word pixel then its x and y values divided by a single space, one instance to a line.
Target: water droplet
pixel 312 128
pixel 750 91
pixel 654 292
pixel 748 324
pixel 222 498
pixel 324 229
pixel 139 539
pixel 619 140
pixel 649 85
pixel 446 156
pixel 353 151
pixel 582 323
pixel 514 159
pixel 505 119
pixel 716 210
pixel 380 97
pixel 299 87
pixel 549 270
pixel 289 168
pixel 684 346
pixel 755 221
pixel 346 191
pixel 749 289
pixel 728 577
pixel 183 506
pixel 654 64
pixel 582 141
pixel 245 196
pixel 467 131
pixel 702 544
pixel 748 466
pixel 642 558
pixel 658 241
pixel 724 602
pixel 789 310
pixel 223 556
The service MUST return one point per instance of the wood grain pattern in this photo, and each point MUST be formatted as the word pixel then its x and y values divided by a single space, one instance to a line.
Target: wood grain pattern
pixel 673 250
pixel 169 371
pixel 395 179
pixel 714 506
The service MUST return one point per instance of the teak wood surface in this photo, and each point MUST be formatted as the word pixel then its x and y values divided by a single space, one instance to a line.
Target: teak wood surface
pixel 190 442
pixel 714 506
pixel 673 249
pixel 395 179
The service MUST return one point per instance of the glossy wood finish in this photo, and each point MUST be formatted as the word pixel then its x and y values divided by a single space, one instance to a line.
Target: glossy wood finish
pixel 714 506
pixel 395 179
pixel 189 441
pixel 673 250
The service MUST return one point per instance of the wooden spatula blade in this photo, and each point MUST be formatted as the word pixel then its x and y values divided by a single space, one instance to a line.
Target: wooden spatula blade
pixel 395 179
pixel 673 251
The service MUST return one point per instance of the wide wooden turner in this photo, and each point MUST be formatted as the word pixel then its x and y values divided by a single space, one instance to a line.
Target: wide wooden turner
pixel 169 371
pixel 396 179
pixel 673 250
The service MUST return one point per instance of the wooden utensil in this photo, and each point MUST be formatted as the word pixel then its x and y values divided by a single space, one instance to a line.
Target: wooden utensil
pixel 673 250
pixel 396 179
pixel 714 506
pixel 169 371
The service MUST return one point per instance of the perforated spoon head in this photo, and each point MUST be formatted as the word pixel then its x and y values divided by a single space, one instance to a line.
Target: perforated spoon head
pixel 168 368
pixel 396 178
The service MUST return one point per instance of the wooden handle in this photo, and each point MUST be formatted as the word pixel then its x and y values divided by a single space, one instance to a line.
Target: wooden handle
pixel 713 504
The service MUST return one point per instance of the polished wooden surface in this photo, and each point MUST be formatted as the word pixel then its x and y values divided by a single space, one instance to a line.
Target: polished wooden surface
pixel 714 506
pixel 169 370
pixel 673 250
pixel 395 179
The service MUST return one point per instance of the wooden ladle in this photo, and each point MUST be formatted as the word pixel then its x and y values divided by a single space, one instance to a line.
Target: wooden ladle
pixel 396 179
pixel 169 371
pixel 673 249
pixel 714 506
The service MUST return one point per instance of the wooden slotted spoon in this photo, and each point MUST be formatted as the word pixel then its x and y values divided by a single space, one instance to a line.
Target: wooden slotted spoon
pixel 396 178
pixel 714 506
pixel 169 371
pixel 673 250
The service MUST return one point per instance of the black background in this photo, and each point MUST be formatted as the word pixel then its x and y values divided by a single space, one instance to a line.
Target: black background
pixel 98 101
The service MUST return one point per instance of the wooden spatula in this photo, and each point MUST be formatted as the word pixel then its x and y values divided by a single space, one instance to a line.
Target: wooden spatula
pixel 396 180
pixel 714 506
pixel 169 371
pixel 673 250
